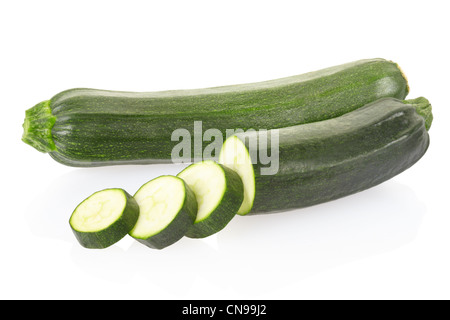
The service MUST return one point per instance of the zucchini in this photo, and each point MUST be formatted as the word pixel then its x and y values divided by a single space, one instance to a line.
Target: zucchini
pixel 88 127
pixel 329 159
pixel 219 192
pixel 104 218
pixel 168 208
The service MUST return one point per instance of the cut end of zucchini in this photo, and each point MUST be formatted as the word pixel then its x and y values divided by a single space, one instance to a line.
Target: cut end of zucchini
pixel 234 155
pixel 37 127
pixel 423 108
pixel 104 218
pixel 167 210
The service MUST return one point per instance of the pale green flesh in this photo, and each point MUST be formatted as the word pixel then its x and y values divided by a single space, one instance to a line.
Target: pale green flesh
pixel 99 211
pixel 235 156
pixel 207 181
pixel 159 202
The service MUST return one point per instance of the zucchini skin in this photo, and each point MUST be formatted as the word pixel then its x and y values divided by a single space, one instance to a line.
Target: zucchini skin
pixel 330 159
pixel 89 127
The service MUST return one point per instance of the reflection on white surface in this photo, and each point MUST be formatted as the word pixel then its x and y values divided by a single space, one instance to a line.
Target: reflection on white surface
pixel 288 246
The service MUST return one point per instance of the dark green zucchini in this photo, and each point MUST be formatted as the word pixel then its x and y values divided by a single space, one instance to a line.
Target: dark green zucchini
pixel 330 159
pixel 87 127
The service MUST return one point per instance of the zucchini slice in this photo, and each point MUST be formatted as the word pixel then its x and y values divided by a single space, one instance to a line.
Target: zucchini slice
pixel 104 218
pixel 167 210
pixel 219 192
pixel 234 155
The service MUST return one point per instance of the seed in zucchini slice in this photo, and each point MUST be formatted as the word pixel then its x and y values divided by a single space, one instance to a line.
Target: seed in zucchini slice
pixel 234 155
pixel 167 210
pixel 219 192
pixel 104 218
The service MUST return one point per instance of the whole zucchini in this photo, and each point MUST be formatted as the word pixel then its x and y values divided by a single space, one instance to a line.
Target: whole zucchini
pixel 88 127
pixel 329 159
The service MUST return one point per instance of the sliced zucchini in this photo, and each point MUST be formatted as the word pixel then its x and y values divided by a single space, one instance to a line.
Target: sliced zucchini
pixel 167 210
pixel 104 218
pixel 219 193
pixel 234 155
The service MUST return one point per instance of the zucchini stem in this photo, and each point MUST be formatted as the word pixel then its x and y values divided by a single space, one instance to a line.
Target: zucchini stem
pixel 37 127
pixel 423 108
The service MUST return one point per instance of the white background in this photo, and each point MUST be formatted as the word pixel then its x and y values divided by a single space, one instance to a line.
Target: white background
pixel 389 242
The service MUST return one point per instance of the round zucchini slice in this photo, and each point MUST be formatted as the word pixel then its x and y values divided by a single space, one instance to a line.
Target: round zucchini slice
pixel 219 192
pixel 167 210
pixel 104 218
